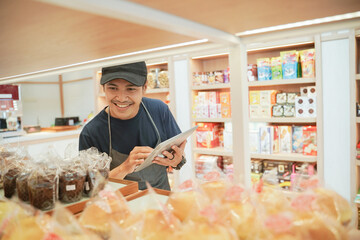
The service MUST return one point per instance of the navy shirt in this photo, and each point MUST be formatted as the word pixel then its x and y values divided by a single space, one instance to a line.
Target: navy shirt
pixel 138 131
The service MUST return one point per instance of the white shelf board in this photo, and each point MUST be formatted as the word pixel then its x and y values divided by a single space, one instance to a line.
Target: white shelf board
pixel 157 90
pixel 286 157
pixel 284 120
pixel 281 82
pixel 211 119
pixel 357 76
pixel 220 151
pixel 211 86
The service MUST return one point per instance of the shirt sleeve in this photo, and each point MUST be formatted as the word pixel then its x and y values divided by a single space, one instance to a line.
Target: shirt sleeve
pixel 85 140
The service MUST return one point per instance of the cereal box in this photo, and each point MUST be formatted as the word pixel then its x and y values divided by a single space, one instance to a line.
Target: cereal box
pixel 276 68
pixel 290 64
pixel 310 141
pixel 265 140
pixel 307 59
pixel 297 139
pixel 264 69
pixel 285 140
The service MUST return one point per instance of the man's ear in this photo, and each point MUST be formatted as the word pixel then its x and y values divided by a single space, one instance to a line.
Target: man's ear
pixel 145 87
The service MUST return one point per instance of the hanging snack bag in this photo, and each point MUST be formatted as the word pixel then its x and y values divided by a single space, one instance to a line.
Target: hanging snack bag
pixel 264 69
pixel 276 68
pixel 290 64
pixel 307 58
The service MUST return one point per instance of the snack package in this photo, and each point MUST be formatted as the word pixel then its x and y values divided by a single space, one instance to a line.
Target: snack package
pixel 252 72
pixel 277 111
pixel 219 77
pixel 163 79
pixel 290 61
pixel 264 69
pixel 265 140
pixel 207 135
pixel 151 80
pixel 285 142
pixel 276 68
pixel 307 58
pixel 297 139
pixel 22 188
pixel 290 98
pixel 289 110
pixel 281 98
pixel 310 141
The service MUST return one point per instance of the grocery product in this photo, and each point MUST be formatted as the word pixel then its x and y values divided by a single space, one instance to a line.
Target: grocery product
pixel 163 79
pixel 252 72
pixel 276 68
pixel 207 135
pixel 285 139
pixel 151 79
pixel 264 69
pixel 310 141
pixel 307 58
pixel 290 64
pixel 297 139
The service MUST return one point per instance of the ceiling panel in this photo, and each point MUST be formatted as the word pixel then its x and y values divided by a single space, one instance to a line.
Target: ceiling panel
pixel 36 36
pixel 235 16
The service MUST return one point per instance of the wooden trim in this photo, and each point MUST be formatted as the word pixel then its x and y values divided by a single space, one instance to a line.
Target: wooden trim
pixel 78 80
pixel 281 82
pixel 211 86
pixel 144 192
pixel 61 96
pixel 37 82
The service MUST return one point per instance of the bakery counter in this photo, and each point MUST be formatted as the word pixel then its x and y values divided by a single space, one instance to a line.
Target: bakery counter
pixel 38 142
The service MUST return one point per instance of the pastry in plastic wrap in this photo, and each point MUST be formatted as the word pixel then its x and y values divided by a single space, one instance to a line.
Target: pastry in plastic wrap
pixel 22 187
pixel 182 203
pixel 98 214
pixel 23 228
pixel 43 188
pixel 71 183
pixel 10 181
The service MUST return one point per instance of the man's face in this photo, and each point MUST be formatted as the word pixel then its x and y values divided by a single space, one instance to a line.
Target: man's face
pixel 123 98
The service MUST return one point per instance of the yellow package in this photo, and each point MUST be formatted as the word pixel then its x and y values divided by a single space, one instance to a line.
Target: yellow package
pixel 307 58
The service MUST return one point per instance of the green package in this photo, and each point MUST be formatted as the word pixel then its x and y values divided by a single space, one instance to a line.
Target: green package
pixel 276 68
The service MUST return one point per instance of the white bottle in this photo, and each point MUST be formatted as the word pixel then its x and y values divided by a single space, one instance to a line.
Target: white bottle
pixel 12 123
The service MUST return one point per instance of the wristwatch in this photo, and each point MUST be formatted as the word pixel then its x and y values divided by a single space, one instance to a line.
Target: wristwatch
pixel 179 166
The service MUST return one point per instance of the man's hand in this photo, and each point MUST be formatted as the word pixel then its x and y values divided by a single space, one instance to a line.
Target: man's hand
pixel 172 158
pixel 135 158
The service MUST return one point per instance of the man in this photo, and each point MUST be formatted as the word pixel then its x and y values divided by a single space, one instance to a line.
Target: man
pixel 131 126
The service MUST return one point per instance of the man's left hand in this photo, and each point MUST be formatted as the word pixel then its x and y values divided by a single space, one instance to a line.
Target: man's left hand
pixel 172 158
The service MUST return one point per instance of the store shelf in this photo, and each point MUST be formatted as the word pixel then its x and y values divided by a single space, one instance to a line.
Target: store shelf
pixel 291 157
pixel 357 76
pixel 157 90
pixel 357 162
pixel 212 86
pixel 282 82
pixel 284 120
pixel 213 151
pixel 211 119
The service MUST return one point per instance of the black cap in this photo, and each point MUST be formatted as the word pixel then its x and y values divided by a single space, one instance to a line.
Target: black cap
pixel 134 73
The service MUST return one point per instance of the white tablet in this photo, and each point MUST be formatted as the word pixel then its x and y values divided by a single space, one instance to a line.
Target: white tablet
pixel 165 146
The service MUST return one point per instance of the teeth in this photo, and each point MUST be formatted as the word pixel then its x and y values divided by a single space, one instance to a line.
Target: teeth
pixel 122 106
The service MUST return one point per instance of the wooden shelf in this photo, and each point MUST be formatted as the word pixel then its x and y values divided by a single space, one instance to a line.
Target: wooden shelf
pixel 284 120
pixel 357 77
pixel 211 86
pixel 358 119
pixel 281 82
pixel 357 162
pixel 157 90
pixel 220 151
pixel 291 157
pixel 211 119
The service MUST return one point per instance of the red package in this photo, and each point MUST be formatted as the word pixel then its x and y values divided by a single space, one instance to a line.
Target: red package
pixel 207 135
pixel 310 142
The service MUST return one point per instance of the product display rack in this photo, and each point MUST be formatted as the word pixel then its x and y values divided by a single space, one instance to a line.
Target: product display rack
pixel 210 63
pixel 158 92
pixel 255 52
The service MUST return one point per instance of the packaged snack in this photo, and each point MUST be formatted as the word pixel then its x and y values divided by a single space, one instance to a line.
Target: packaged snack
pixel 281 98
pixel 255 111
pixel 275 139
pixel 227 75
pixel 310 141
pixel 290 98
pixel 289 110
pixel 265 140
pixel 276 68
pixel 254 97
pixel 265 111
pixel 10 181
pixel 290 64
pixel 264 69
pixel 22 188
pixel 285 139
pixel 151 80
pixel 277 111
pixel 308 91
pixel 207 135
pixel 254 141
pixel 268 97
pixel 307 58
pixel 297 139
pixel 252 72
pixel 256 166
pixel 219 77
pixel 71 184
pixel 163 79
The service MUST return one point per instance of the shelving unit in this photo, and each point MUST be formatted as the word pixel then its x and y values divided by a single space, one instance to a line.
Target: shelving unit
pixel 158 92
pixel 287 85
pixel 218 62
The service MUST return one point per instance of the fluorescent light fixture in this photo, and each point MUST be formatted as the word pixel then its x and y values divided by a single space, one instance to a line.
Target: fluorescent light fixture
pixel 156 63
pixel 301 24
pixel 210 55
pixel 278 46
pixel 112 58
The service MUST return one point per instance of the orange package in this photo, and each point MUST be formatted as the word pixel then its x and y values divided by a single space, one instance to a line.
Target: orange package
pixel 207 135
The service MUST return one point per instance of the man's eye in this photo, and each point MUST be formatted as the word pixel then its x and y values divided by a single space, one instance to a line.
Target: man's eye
pixel 132 89
pixel 112 88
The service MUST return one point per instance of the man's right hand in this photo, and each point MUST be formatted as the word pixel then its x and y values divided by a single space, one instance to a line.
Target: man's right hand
pixel 135 158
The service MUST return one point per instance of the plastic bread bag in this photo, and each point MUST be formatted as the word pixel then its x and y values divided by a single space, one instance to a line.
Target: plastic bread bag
pixel 64 225
pixel 106 207
pixel 152 219
pixel 72 176
pixel 22 188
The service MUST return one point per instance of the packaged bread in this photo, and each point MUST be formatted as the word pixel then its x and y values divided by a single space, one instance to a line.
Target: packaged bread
pixel 151 80
pixel 163 79
pixel 22 187
pixel 43 184
pixel 71 181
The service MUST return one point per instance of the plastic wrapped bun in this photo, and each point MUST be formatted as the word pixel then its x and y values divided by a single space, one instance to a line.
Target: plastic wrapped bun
pixel 24 228
pixel 43 187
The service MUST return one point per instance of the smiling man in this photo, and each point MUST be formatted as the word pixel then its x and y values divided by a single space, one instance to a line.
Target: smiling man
pixel 131 126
